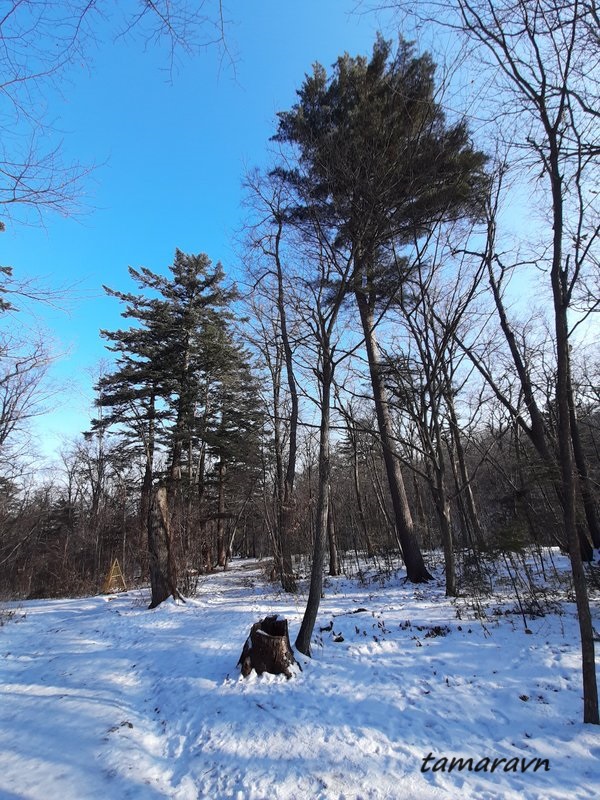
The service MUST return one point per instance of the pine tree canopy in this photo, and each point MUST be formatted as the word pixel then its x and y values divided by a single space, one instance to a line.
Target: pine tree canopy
pixel 376 157
pixel 178 365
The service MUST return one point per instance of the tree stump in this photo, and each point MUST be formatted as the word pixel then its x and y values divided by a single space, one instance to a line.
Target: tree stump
pixel 268 648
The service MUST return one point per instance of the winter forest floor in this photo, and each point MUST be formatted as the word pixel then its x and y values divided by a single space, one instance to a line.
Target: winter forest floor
pixel 102 698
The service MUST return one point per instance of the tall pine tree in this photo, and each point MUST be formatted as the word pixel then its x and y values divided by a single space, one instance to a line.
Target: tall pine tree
pixel 377 164
pixel 162 392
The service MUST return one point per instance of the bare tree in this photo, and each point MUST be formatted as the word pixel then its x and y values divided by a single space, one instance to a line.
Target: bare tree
pixel 266 196
pixel 23 390
pixel 353 433
pixel 543 57
pixel 39 41
pixel 326 291
pixel 546 74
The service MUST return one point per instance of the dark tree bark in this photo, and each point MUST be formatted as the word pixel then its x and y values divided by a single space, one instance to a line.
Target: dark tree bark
pixel 334 563
pixel 316 576
pixel 287 514
pixel 379 497
pixel 560 280
pixel 358 492
pixel 267 195
pixel 221 545
pixel 352 428
pixel 442 504
pixel 149 444
pixel 422 517
pixel 542 61
pixel 585 486
pixel 324 315
pixel 268 649
pixel 416 570
pixel 464 488
pixel 163 565
pixel 443 513
pixel 536 429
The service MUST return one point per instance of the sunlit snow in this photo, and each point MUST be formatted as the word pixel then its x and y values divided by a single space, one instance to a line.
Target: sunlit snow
pixel 102 698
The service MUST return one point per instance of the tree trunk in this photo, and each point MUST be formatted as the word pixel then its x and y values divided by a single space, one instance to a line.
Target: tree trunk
pixel 221 546
pixel 559 279
pixel 378 490
pixel 422 517
pixel 316 576
pixel 585 487
pixel 537 430
pixel 277 534
pixel 146 500
pixel 436 472
pixel 334 564
pixel 288 508
pixel 359 502
pixel 443 513
pixel 163 566
pixel 416 570
pixel 466 492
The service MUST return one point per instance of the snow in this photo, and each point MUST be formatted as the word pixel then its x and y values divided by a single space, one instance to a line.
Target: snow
pixel 101 697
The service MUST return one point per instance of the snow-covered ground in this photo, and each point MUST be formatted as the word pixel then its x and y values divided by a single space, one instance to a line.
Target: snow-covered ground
pixel 101 698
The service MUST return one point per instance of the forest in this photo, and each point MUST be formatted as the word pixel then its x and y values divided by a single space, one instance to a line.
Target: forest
pixel 396 373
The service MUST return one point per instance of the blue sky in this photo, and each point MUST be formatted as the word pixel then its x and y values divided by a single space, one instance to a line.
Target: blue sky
pixel 171 157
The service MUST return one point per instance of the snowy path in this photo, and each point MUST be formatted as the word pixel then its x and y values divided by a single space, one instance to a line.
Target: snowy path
pixel 102 698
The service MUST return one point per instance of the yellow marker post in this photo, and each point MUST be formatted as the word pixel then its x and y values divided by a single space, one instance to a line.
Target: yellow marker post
pixel 115 582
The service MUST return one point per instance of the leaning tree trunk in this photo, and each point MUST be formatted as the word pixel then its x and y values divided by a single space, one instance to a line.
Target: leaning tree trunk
pixel 163 566
pixel 537 430
pixel 588 661
pixel 560 294
pixel 316 576
pixel 416 570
